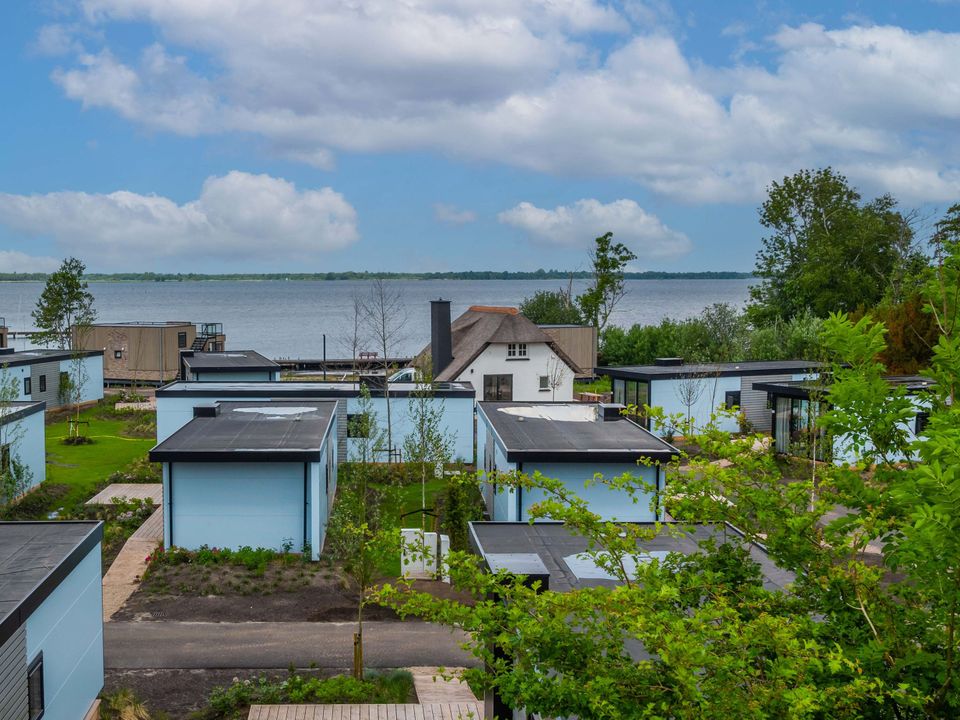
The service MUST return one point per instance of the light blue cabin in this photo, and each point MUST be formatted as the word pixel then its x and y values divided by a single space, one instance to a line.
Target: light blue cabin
pixel 46 375
pixel 51 619
pixel 257 474
pixel 697 390
pixel 227 366
pixel 176 403
pixel 573 443
pixel 22 442
pixel 795 407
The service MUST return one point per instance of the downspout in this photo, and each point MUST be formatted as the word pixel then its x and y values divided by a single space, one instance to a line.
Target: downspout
pixel 519 493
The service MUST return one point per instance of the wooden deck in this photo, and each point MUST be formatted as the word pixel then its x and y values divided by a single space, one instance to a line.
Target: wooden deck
pixel 411 711
pixel 130 491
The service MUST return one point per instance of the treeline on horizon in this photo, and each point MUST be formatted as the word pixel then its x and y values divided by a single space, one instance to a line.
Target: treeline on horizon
pixel 352 275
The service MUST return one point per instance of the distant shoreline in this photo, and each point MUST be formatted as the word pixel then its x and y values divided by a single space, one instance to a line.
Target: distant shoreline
pixel 334 276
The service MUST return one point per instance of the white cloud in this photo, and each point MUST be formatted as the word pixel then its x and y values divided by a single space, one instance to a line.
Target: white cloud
pixel 516 81
pixel 453 215
pixel 13 261
pixel 578 224
pixel 237 217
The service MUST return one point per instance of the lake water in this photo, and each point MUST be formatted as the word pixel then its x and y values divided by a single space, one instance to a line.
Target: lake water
pixel 287 319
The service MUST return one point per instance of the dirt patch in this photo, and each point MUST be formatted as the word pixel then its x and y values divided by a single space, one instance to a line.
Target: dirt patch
pixel 300 592
pixel 179 693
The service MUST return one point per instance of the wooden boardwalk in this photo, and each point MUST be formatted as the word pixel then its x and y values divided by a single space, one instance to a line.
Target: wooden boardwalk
pixel 409 711
pixel 130 491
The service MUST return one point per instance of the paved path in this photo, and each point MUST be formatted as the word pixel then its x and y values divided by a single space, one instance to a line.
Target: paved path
pixel 123 577
pixel 130 645
pixel 130 491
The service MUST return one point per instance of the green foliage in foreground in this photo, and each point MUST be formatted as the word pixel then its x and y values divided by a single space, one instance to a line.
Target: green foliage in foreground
pixel 868 628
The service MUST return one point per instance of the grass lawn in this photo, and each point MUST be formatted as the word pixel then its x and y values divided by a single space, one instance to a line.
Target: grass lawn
pixel 84 468
pixel 410 500
pixel 601 385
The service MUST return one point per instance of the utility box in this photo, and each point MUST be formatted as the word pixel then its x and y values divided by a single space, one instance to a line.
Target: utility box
pixel 418 557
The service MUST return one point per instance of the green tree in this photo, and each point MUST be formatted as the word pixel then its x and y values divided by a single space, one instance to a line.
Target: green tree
pixel 828 251
pixel 868 627
pixel 608 261
pixel 551 307
pixel 363 534
pixel 429 445
pixel 64 305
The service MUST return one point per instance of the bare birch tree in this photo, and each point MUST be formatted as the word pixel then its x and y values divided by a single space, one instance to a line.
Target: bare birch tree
pixel 556 375
pixel 689 389
pixel 384 317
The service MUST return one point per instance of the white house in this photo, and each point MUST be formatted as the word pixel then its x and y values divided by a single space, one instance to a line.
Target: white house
pixel 505 356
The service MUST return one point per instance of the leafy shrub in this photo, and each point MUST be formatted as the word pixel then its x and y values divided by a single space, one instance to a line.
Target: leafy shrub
pixel 254 559
pixel 234 701
pixel 34 505
pixel 140 470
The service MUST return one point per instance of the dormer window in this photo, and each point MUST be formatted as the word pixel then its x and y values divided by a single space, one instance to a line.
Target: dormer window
pixel 516 350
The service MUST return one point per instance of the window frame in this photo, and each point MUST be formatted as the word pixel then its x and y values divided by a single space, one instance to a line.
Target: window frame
pixel 352 420
pixel 521 350
pixel 511 350
pixel 118 354
pixel 42 382
pixel 544 383
pixel 28 386
pixel 35 671
pixel 181 340
pixel 920 422
pixel 728 394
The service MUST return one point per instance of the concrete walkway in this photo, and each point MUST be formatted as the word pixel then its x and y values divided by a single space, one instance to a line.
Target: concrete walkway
pixel 157 644
pixel 123 577
pixel 130 491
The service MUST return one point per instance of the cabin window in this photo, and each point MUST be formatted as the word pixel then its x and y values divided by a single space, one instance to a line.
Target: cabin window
pixel 64 379
pixel 27 386
pixel 358 425
pixel 35 689
pixel 731 399
pixel 923 418
pixel 544 382
pixel 181 339
pixel 43 383
pixel 118 354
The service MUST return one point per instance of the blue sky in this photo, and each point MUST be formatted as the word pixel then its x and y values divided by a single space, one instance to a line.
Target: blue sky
pixel 305 135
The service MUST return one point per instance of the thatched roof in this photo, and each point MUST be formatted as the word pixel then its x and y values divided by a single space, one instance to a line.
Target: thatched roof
pixel 483 325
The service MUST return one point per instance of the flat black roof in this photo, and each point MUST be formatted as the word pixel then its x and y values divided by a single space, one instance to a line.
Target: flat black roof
pixel 532 548
pixel 802 389
pixel 286 431
pixel 227 361
pixel 569 432
pixel 31 357
pixel 313 390
pixel 672 372
pixel 17 410
pixel 34 558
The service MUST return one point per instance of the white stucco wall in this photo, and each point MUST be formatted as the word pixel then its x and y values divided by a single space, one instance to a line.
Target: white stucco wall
pixel 526 372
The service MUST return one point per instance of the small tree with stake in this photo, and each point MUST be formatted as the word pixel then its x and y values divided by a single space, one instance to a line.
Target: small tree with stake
pixel 363 534
pixel 429 446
